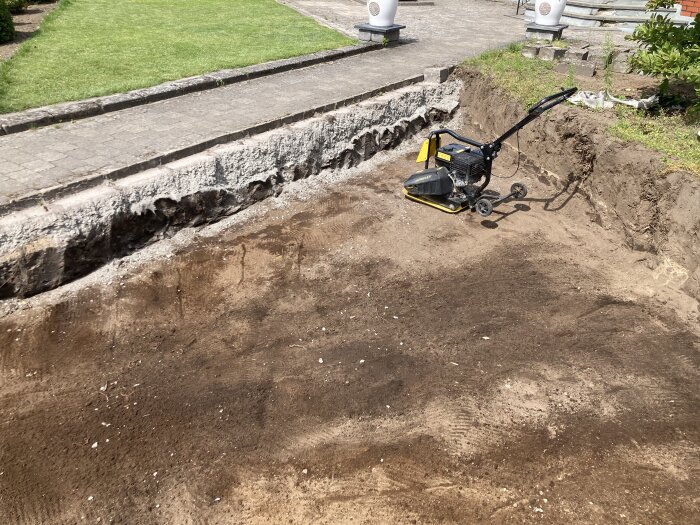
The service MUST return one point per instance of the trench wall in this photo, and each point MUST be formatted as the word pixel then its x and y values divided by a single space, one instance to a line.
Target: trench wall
pixel 45 246
pixel 656 210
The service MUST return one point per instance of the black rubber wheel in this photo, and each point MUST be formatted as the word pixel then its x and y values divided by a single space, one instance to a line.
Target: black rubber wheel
pixel 519 190
pixel 483 207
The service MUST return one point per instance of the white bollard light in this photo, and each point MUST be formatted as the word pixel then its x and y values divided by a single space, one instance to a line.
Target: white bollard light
pixel 548 12
pixel 382 12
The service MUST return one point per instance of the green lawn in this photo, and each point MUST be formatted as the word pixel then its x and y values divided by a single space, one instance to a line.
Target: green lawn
pixel 530 80
pixel 89 48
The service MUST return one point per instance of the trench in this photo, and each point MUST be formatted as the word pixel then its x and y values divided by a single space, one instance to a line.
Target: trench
pixel 44 248
pixel 655 210
pixel 354 356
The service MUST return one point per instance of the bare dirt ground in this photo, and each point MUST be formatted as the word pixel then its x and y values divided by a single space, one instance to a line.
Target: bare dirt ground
pixel 360 358
pixel 26 24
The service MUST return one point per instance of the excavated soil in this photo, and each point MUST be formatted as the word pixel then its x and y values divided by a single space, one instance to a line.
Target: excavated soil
pixel 655 208
pixel 359 358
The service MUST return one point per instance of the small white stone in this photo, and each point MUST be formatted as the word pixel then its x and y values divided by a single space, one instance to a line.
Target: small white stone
pixel 362 361
pixel 90 498
pixel 485 337
pixel 320 360
pixel 94 445
pixel 305 471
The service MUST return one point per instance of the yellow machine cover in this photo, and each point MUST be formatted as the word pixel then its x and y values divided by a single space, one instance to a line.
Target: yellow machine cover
pixel 428 149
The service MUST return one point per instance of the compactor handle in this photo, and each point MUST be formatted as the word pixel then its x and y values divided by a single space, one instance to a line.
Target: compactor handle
pixel 534 112
pixel 552 100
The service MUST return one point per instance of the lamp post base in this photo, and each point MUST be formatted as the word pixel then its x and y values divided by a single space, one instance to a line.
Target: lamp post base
pixel 540 32
pixel 370 33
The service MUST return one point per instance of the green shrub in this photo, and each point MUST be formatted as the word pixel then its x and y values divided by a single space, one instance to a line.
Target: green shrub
pixel 7 28
pixel 16 6
pixel 668 51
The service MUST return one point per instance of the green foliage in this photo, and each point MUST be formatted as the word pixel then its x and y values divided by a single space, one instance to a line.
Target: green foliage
pixel 87 48
pixel 570 76
pixel 668 51
pixel 673 135
pixel 608 56
pixel 16 6
pixel 7 28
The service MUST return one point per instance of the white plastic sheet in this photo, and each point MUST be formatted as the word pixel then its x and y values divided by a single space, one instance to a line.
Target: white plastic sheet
pixel 603 100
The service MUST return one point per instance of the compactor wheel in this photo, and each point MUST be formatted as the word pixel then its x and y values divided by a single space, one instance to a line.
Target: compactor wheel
pixel 483 207
pixel 519 189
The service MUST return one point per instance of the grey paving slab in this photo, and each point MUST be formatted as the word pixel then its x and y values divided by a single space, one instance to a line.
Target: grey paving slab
pixel 435 35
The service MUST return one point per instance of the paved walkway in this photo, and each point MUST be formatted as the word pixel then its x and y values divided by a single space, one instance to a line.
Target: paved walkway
pixel 439 35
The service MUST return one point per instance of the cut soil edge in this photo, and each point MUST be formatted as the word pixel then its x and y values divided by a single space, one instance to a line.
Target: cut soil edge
pixel 656 210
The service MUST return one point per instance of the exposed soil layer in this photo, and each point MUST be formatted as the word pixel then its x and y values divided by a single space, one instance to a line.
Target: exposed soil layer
pixel 360 358
pixel 42 248
pixel 629 189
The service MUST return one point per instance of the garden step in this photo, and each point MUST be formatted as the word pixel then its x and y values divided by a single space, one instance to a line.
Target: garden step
pixel 593 14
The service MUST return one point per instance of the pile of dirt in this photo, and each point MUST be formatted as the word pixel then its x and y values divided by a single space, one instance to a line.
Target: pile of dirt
pixel 627 185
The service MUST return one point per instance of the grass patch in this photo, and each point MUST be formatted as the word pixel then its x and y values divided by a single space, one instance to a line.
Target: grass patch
pixel 88 48
pixel 526 79
pixel 667 134
pixel 530 80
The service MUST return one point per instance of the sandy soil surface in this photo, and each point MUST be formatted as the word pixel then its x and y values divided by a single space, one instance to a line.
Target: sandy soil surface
pixel 360 358
pixel 26 24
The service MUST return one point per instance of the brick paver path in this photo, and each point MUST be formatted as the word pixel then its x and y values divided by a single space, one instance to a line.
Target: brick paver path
pixel 439 35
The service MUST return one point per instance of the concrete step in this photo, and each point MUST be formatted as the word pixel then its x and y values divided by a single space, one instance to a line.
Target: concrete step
pixel 588 13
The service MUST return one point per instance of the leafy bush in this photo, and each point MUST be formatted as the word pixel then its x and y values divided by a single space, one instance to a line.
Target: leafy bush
pixel 7 28
pixel 668 51
pixel 16 6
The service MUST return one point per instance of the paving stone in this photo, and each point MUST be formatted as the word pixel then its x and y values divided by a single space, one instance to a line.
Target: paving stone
pixel 551 53
pixel 576 54
pixel 530 51
pixel 580 68
pixel 620 64
pixel 436 75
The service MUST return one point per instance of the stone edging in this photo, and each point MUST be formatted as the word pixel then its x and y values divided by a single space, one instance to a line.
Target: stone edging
pixel 94 179
pixel 57 113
